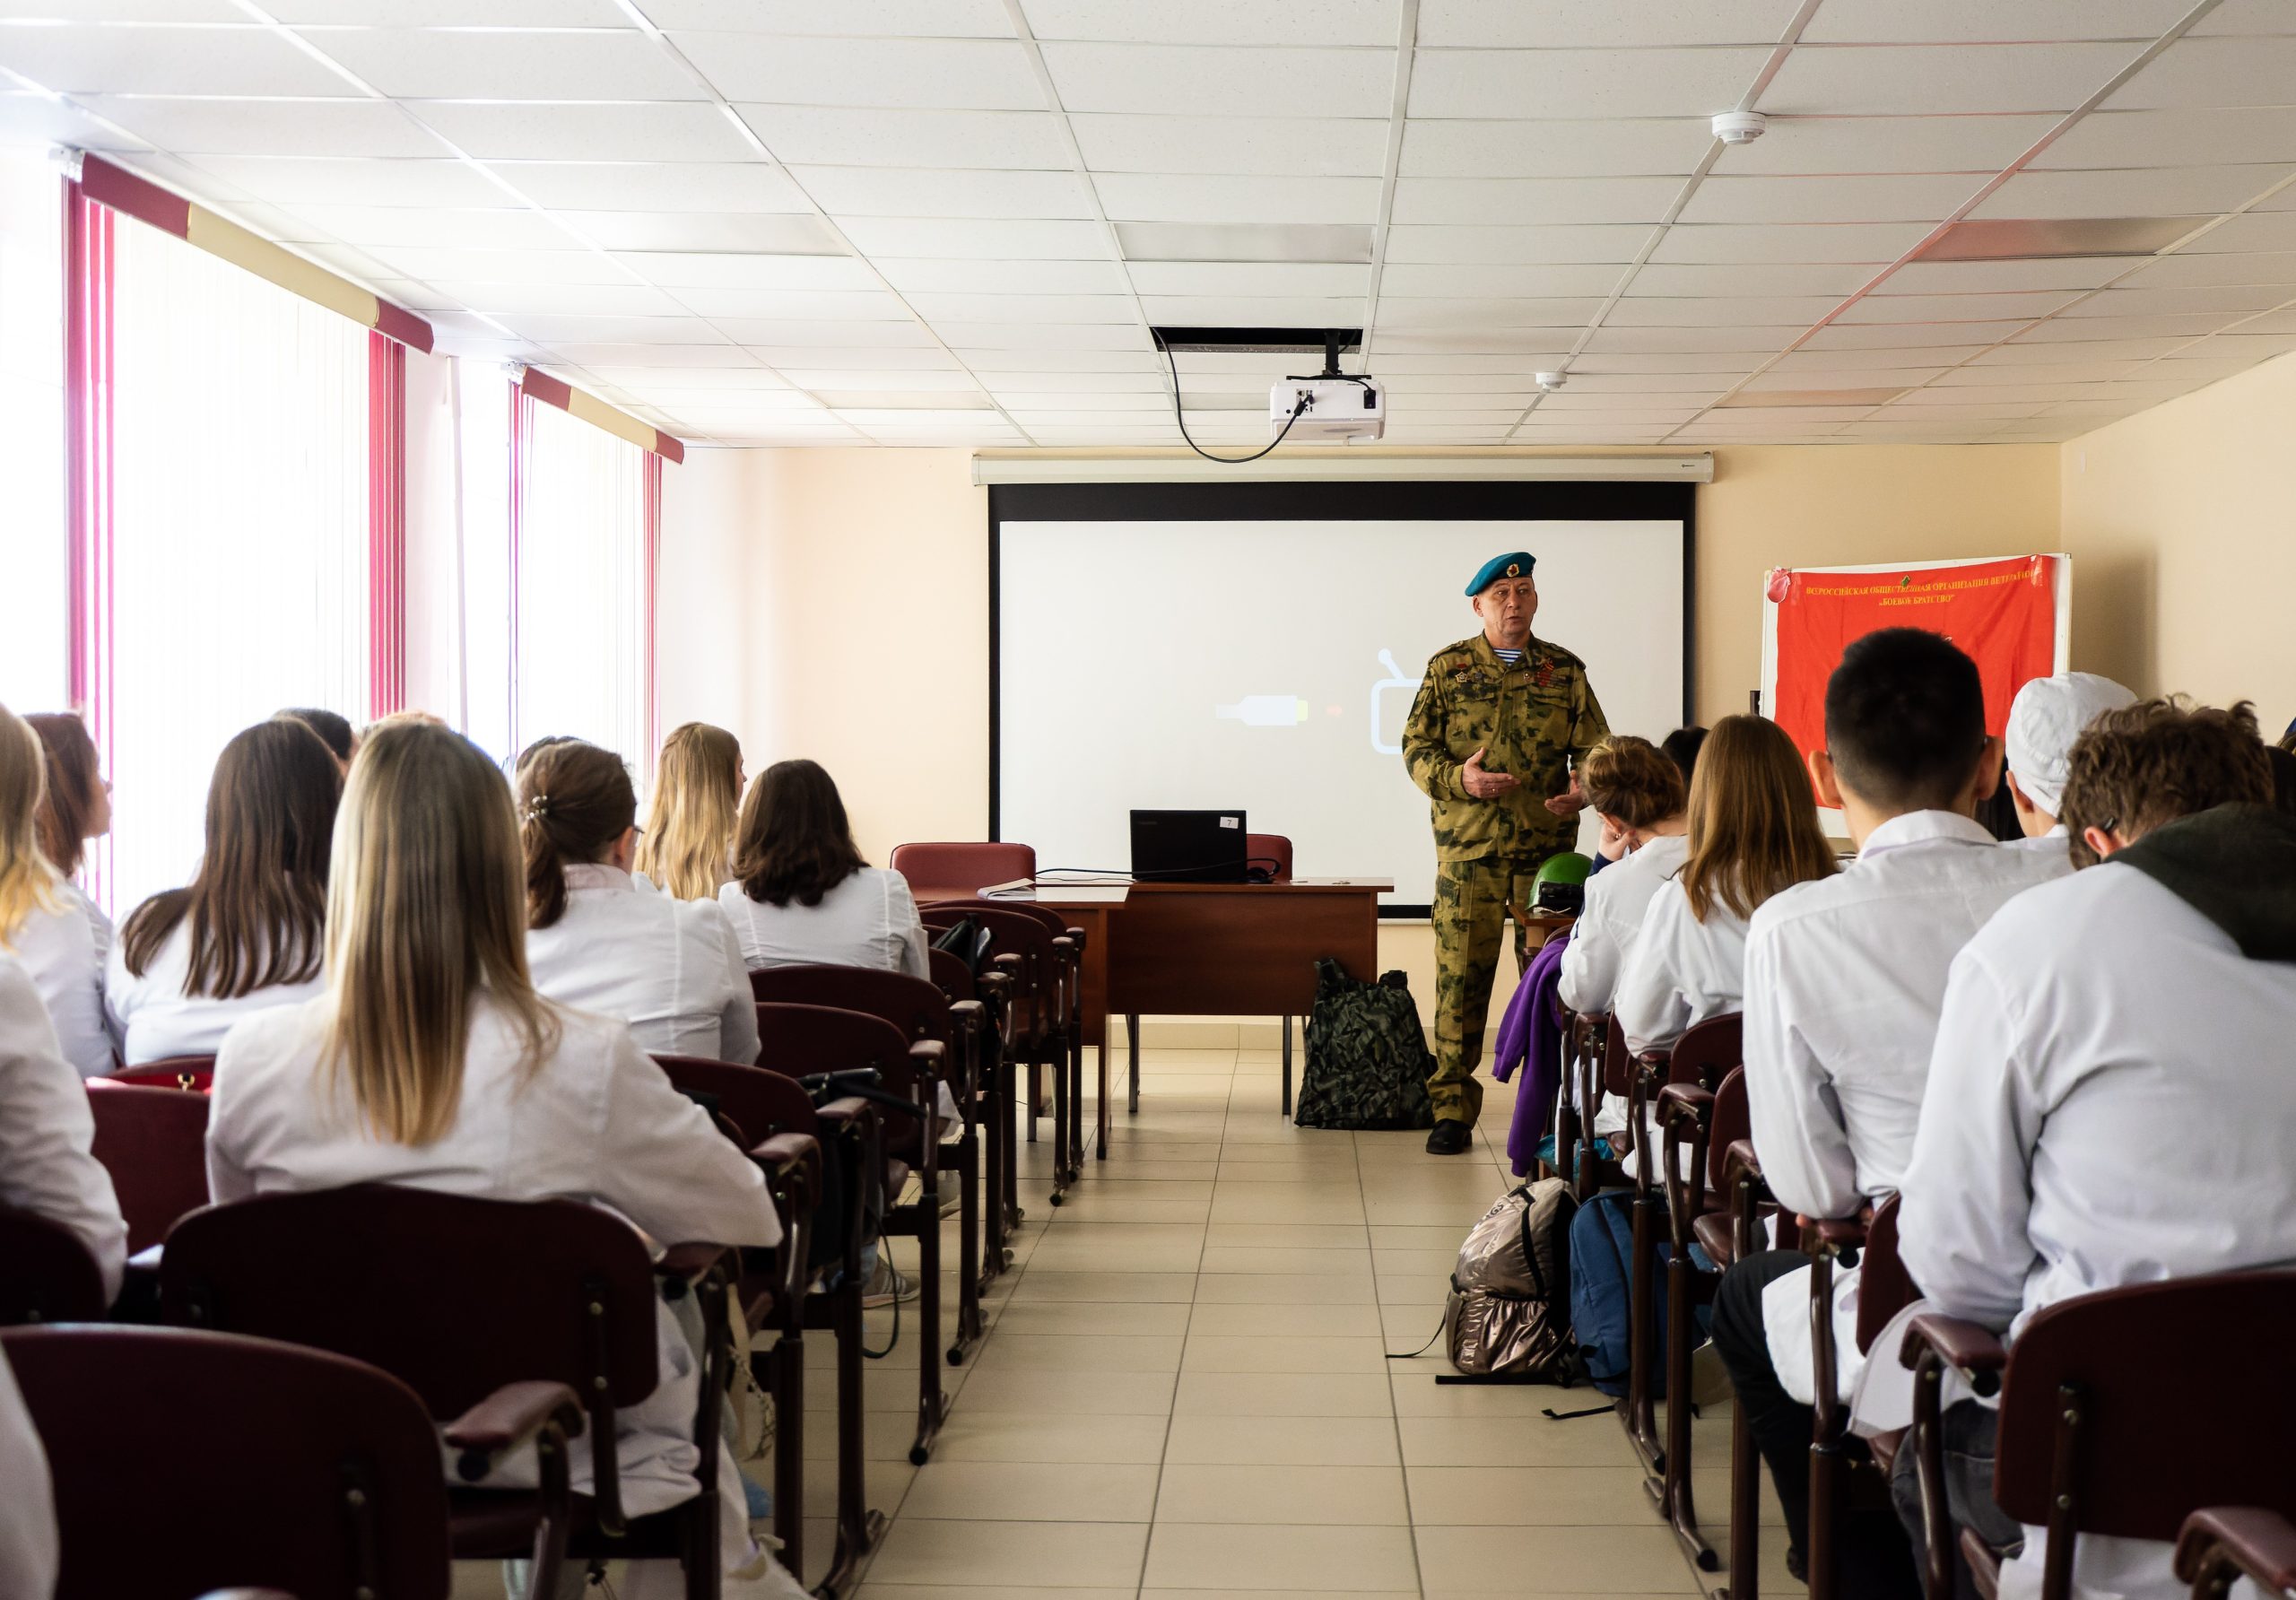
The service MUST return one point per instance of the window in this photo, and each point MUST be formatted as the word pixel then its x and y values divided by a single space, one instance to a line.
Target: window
pixel 33 640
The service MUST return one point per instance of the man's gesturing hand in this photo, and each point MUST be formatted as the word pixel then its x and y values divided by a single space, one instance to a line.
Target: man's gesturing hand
pixel 1485 786
pixel 1571 801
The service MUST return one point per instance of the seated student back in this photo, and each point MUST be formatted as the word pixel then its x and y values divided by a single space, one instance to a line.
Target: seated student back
pixel 802 892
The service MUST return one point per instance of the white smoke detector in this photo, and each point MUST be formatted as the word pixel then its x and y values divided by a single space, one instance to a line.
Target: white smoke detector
pixel 1550 381
pixel 1740 127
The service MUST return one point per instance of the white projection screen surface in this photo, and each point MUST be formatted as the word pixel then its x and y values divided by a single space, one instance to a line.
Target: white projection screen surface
pixel 1267 666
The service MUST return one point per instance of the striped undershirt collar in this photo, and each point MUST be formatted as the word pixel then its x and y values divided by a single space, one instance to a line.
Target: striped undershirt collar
pixel 1511 657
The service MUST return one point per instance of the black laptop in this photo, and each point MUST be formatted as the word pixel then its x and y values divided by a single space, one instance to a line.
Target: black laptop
pixel 1189 847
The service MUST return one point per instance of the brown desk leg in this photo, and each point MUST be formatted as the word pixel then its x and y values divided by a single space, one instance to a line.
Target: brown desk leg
pixel 1131 1047
pixel 1103 1111
pixel 1287 1065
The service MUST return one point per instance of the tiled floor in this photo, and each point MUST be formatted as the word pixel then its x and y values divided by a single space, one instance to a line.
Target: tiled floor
pixel 1184 1391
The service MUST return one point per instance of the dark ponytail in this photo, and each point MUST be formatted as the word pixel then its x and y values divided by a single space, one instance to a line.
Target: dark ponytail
pixel 574 801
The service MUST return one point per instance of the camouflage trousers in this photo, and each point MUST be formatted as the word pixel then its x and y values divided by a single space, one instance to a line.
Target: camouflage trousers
pixel 1470 916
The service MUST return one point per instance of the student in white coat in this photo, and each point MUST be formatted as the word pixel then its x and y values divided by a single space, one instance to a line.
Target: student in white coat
pixel 45 923
pixel 247 932
pixel 1637 790
pixel 688 847
pixel 597 942
pixel 47 1132
pixel 802 892
pixel 31 1545
pixel 1753 833
pixel 2156 992
pixel 431 1061
pixel 2046 717
pixel 1844 978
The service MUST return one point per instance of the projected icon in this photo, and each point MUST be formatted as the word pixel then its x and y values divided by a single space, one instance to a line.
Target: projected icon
pixel 1382 705
pixel 1266 710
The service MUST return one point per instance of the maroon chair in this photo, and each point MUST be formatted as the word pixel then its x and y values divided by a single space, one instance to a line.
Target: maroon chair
pixel 154 1142
pixel 1269 854
pixel 276 1466
pixel 460 1298
pixel 921 1009
pixel 1846 1471
pixel 47 1273
pixel 801 1039
pixel 1046 1008
pixel 961 871
pixel 175 1072
pixel 2091 1439
pixel 812 1289
pixel 2222 1545
pixel 1734 1229
pixel 985 1128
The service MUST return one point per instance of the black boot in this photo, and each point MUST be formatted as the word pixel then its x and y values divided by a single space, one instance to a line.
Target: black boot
pixel 1450 1137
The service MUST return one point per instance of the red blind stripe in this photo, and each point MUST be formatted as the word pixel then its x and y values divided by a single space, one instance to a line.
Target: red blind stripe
pixel 88 487
pixel 386 525
pixel 650 510
pixel 404 326
pixel 549 390
pixel 139 197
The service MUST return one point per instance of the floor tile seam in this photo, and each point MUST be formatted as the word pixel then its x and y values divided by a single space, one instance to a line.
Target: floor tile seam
pixel 1411 1525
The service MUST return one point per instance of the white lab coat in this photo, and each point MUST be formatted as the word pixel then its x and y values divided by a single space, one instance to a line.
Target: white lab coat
pixel 154 1018
pixel 65 950
pixel 2096 1036
pixel 1681 972
pixel 46 1130
pixel 31 1550
pixel 2057 844
pixel 1604 934
pixel 1844 979
pixel 669 968
pixel 868 920
pixel 598 1122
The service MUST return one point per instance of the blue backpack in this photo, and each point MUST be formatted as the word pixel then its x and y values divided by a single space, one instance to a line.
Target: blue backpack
pixel 1602 1251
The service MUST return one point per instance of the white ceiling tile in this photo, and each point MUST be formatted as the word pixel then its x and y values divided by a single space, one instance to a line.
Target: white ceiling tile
pixel 681 132
pixel 1297 146
pixel 1429 383
pixel 443 14
pixel 1052 402
pixel 1332 23
pixel 725 305
pixel 1250 278
pixel 693 269
pixel 2223 300
pixel 2022 354
pixel 1988 21
pixel 438 263
pixel 2255 230
pixel 482 64
pixel 1774 310
pixel 1817 146
pixel 909 378
pixel 1613 338
pixel 507 303
pixel 1200 311
pixel 771 232
pixel 2075 330
pixel 1471 282
pixel 1958 307
pixel 999 380
pixel 1581 83
pixel 1003 277
pixel 623 353
pixel 1506 245
pixel 917 192
pixel 1044 360
pixel 1539 349
pixel 2212 136
pixel 288 180
pixel 2245 346
pixel 559 330
pixel 846 136
pixel 29 120
pixel 948 18
pixel 1896 335
pixel 855 358
pixel 1490 23
pixel 1821 360
pixel 743 185
pixel 2121 193
pixel 1893 197
pixel 1877 242
pixel 1723 366
pixel 688 380
pixel 2213 71
pixel 358 265
pixel 503 228
pixel 1400 311
pixel 2238 266
pixel 757 332
pixel 936 308
pixel 1928 80
pixel 1974 376
pixel 1339 243
pixel 339 127
pixel 414 296
pixel 1492 148
pixel 946 74
pixel 1226 80
pixel 1669 280
pixel 1565 201
pixel 1154 198
pixel 2248 16
pixel 236 62
pixel 1988 277
pixel 1025 336
pixel 1794 380
pixel 1707 383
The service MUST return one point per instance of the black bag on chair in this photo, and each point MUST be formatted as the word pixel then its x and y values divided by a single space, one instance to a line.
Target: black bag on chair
pixel 1367 1059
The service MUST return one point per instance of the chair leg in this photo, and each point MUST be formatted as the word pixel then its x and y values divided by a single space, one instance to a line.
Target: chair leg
pixel 1063 1110
pixel 1828 1474
pixel 1007 1076
pixel 1034 1108
pixel 1075 1100
pixel 929 1397
pixel 1287 1066
pixel 1674 1496
pixel 1641 1413
pixel 1745 1510
pixel 1132 1049
pixel 858 1528
pixel 969 1260
pixel 786 1381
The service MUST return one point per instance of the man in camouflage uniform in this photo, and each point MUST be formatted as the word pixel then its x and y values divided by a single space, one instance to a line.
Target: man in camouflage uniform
pixel 1492 733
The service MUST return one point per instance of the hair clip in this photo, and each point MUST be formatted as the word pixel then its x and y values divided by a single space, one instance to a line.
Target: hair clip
pixel 537 808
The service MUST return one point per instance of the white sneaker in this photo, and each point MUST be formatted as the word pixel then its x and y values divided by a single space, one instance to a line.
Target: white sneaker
pixel 887 1287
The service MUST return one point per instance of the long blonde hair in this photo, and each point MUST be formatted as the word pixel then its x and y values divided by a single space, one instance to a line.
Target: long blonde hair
pixel 1753 822
pixel 690 825
pixel 27 881
pixel 426 907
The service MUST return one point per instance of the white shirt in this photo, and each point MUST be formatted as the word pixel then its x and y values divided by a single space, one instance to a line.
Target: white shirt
pixel 47 1132
pixel 30 1545
pixel 2057 844
pixel 598 1123
pixel 1844 979
pixel 1604 935
pixel 669 968
pixel 65 950
pixel 2062 1068
pixel 868 920
pixel 1681 972
pixel 154 1018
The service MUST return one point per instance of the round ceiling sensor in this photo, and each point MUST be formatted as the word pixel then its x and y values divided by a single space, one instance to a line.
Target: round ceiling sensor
pixel 1740 127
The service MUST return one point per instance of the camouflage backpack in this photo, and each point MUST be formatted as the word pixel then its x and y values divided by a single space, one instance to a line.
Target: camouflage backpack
pixel 1368 1060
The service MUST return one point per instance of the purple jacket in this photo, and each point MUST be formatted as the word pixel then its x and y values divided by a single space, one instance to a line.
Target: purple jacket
pixel 1532 1032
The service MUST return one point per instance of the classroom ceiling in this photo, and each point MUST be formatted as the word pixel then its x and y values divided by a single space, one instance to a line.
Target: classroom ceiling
pixel 953 222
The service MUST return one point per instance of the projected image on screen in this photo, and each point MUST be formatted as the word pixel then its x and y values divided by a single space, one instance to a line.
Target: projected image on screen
pixel 1267 667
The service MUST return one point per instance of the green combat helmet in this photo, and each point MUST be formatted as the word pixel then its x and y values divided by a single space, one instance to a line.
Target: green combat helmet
pixel 1561 884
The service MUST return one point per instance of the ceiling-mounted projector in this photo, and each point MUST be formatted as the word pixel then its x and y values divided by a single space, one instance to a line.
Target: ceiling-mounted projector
pixel 1327 408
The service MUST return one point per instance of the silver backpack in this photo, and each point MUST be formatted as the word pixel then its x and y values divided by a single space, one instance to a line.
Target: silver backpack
pixel 1508 1312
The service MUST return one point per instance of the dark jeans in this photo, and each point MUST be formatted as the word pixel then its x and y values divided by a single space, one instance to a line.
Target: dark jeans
pixel 1968 1430
pixel 1876 1562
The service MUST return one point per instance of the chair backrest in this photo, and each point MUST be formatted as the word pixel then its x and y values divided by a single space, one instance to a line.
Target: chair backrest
pixel 759 1103
pixel 1885 1287
pixel 965 869
pixel 175 1072
pixel 1272 852
pixel 798 1040
pixel 187 1462
pixel 454 1296
pixel 2173 1388
pixel 1732 1121
pixel 154 1142
pixel 1618 1061
pixel 1707 1052
pixel 47 1275
pixel 915 1005
pixel 953 976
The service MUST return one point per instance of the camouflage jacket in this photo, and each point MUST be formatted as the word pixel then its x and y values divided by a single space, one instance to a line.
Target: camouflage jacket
pixel 1529 720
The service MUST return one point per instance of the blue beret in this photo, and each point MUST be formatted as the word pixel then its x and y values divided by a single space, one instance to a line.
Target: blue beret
pixel 1515 564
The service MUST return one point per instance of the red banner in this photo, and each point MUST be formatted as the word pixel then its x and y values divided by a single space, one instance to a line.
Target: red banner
pixel 2003 614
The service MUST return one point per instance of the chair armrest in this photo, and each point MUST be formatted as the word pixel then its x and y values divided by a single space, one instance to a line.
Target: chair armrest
pixel 785 1153
pixel 2238 1538
pixel 1684 1111
pixel 1682 1101
pixel 1976 1351
pixel 507 1418
pixel 689 1263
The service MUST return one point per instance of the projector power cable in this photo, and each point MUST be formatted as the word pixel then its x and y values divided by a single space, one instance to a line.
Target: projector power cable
pixel 1179 416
